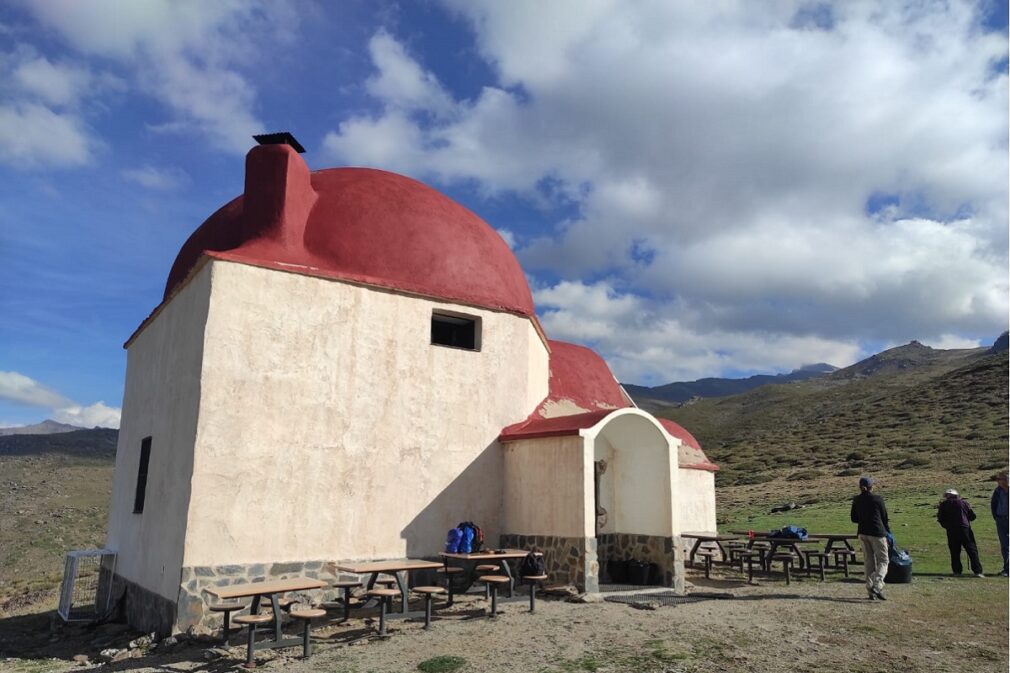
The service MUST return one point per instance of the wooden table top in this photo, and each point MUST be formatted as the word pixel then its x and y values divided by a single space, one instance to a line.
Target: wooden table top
pixel 489 556
pixel 833 536
pixel 261 588
pixel 372 567
pixel 711 537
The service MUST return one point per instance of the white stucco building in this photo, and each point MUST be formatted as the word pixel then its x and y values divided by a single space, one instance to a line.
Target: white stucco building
pixel 346 363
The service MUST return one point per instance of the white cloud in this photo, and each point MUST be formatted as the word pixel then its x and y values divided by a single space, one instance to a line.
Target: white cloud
pixel 190 56
pixel 21 389
pixel 721 158
pixel 949 341
pixel 95 415
pixel 56 85
pixel 160 179
pixel 33 135
pixel 508 236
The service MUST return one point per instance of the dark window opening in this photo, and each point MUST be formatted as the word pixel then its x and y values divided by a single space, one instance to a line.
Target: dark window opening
pixel 455 331
pixel 145 458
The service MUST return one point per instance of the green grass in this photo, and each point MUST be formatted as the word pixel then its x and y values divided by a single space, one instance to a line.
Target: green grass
pixel 912 514
pixel 445 663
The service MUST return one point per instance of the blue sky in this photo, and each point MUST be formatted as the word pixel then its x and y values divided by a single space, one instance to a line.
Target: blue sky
pixel 694 189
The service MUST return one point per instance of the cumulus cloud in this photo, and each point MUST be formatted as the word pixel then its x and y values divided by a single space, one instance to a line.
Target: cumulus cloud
pixel 159 179
pixel 33 135
pixel 189 56
pixel 20 389
pixel 95 415
pixel 727 163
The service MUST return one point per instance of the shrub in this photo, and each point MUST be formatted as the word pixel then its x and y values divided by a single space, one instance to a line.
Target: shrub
pixel 441 664
pixel 801 475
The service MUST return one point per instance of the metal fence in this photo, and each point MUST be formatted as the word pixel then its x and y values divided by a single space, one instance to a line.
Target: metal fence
pixel 87 584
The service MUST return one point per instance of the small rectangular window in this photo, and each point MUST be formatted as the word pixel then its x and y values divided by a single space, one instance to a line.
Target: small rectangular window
pixel 457 331
pixel 145 458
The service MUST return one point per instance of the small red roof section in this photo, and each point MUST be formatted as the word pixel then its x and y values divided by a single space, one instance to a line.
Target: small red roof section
pixel 580 378
pixel 358 224
pixel 690 456
pixel 559 426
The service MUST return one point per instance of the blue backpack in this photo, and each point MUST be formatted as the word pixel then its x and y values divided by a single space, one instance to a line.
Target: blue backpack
pixel 452 540
pixel 791 532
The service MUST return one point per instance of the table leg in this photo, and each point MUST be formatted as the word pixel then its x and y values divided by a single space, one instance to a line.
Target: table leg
pixel 722 551
pixel 690 558
pixel 277 616
pixel 401 583
pixel 504 565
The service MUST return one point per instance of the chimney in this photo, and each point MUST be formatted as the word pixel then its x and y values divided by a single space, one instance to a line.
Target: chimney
pixel 278 190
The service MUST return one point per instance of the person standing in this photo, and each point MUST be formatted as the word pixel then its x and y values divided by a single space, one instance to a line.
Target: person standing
pixel 869 512
pixel 1001 512
pixel 955 515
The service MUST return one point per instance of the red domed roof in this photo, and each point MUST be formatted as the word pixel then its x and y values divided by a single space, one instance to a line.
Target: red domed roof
pixel 358 224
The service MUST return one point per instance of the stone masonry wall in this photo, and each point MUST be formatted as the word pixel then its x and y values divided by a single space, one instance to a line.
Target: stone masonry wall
pixel 191 610
pixel 663 551
pixel 569 560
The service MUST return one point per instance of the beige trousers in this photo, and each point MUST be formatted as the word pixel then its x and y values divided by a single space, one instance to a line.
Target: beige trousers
pixel 874 561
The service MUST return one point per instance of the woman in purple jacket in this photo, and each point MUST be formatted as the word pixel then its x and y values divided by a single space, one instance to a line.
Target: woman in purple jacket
pixel 955 515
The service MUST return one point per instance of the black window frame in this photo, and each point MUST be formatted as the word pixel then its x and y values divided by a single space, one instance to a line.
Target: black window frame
pixel 453 319
pixel 140 495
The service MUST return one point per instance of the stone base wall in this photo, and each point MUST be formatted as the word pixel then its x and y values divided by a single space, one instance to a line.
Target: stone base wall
pixel 193 600
pixel 569 560
pixel 663 551
pixel 142 608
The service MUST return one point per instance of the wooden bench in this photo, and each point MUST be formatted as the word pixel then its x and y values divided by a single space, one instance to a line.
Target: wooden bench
pixel 252 621
pixel 307 615
pixel 749 556
pixel 842 559
pixel 492 582
pixel 787 564
pixel 707 555
pixel 346 585
pixel 822 561
pixel 428 593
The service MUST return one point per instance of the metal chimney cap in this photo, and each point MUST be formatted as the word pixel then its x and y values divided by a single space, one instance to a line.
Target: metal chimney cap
pixel 282 138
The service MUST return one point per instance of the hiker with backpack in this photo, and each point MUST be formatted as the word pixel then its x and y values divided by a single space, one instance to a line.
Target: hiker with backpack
pixel 1001 514
pixel 955 514
pixel 869 512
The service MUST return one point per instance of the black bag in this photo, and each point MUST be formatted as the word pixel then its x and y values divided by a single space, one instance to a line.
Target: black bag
pixel 532 565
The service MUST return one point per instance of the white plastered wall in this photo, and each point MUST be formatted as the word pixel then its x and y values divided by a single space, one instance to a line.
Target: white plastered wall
pixel 641 482
pixel 546 491
pixel 696 500
pixel 331 428
pixel 161 401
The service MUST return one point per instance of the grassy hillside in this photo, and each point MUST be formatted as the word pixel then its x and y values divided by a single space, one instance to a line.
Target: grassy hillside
pixel 54 495
pixel 942 416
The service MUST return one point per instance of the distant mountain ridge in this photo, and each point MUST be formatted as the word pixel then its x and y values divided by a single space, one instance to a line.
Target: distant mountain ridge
pixel 683 391
pixel 46 427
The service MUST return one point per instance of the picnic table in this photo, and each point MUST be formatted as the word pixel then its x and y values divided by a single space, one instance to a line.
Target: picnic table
pixel 700 538
pixel 843 539
pixel 500 556
pixel 791 543
pixel 396 568
pixel 270 591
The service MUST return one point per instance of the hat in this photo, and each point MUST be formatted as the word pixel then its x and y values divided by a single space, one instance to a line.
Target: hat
pixel 950 491
pixel 865 482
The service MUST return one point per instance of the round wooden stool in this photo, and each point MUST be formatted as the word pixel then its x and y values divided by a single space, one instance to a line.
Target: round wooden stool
pixel 534 580
pixel 486 568
pixel 346 585
pixel 428 593
pixel 491 582
pixel 227 609
pixel 307 615
pixel 787 563
pixel 385 597
pixel 252 621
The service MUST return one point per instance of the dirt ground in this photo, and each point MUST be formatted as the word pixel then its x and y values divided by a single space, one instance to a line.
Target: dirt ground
pixel 934 624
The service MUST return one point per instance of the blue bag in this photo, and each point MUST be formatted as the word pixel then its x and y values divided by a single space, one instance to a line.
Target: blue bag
pixel 466 541
pixel 452 540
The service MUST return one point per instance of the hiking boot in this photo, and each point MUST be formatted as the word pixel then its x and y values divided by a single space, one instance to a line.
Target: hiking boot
pixel 980 576
pixel 871 597
pixel 879 595
pixel 1004 573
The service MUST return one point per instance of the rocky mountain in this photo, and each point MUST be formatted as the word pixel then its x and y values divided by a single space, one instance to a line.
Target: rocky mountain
pixel 97 442
pixel 907 357
pixel 46 427
pixel 671 394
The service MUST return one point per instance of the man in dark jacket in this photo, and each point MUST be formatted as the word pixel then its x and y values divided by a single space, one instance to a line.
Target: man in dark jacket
pixel 869 512
pixel 1001 513
pixel 955 515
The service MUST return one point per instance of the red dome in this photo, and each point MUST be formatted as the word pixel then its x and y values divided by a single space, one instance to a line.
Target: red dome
pixel 363 225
